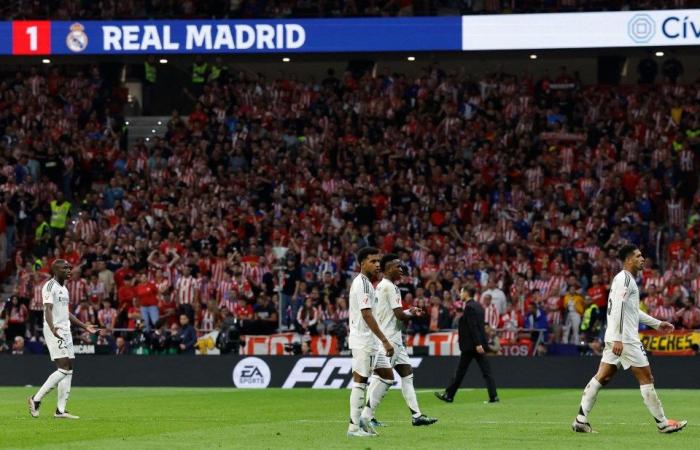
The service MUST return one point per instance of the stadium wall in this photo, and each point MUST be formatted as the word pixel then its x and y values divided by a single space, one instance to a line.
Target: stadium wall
pixel 328 372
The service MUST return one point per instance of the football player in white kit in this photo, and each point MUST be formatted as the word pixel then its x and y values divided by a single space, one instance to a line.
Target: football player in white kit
pixel 59 340
pixel 390 316
pixel 623 347
pixel 364 337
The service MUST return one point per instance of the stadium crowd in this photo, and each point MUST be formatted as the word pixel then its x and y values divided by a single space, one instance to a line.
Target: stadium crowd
pixel 257 200
pixel 250 9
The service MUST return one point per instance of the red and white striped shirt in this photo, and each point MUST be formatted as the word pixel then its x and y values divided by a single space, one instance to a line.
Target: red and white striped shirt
pixel 652 302
pixel 77 290
pixel 687 160
pixel 509 324
pixel 544 286
pixel 185 290
pixel 37 303
pixel 25 280
pixel 218 268
pixel 521 266
pixel 254 272
pixel 534 177
pixel 106 316
pixel 675 212
pixel 665 312
pixel 491 315
pixel 689 318
pixel 695 288
pixel 654 281
pixel 554 310
pixel 86 230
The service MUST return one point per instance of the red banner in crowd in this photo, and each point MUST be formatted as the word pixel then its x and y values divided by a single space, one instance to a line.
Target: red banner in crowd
pixel 275 344
pixel 679 342
pixel 444 343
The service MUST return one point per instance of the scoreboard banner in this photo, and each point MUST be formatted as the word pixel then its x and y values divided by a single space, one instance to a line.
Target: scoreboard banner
pixel 677 343
pixel 229 36
pixel 395 34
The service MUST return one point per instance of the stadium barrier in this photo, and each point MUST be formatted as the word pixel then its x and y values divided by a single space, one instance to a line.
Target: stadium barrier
pixel 328 372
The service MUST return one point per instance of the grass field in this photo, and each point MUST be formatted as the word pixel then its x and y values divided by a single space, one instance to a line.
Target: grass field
pixel 147 418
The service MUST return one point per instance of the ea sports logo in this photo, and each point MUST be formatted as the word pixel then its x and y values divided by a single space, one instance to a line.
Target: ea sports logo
pixel 251 373
pixel 641 28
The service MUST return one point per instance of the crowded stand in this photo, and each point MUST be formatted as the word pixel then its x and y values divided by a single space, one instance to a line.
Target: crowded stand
pixel 247 216
pixel 253 9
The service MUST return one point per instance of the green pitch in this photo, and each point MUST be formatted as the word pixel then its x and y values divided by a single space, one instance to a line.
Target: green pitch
pixel 148 418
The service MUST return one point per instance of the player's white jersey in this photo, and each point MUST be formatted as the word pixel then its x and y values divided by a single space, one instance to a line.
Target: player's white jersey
pixel 623 311
pixel 388 298
pixel 55 294
pixel 361 297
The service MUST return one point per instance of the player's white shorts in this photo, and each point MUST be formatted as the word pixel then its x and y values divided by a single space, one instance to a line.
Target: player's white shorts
pixel 59 348
pixel 363 360
pixel 633 355
pixel 400 357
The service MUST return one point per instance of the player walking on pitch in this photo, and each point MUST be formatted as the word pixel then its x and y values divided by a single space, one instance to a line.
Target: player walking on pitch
pixel 59 340
pixel 623 347
pixel 362 341
pixel 390 315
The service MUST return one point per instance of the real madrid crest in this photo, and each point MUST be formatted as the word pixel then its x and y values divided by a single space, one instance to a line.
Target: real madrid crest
pixel 77 40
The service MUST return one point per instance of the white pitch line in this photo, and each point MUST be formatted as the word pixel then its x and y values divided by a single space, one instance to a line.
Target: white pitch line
pixel 427 391
pixel 482 422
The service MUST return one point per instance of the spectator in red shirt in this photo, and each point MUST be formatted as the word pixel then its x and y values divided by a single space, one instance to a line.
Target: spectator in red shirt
pixel 598 292
pixel 689 316
pixel 16 316
pixel 124 271
pixel 126 293
pixel 147 293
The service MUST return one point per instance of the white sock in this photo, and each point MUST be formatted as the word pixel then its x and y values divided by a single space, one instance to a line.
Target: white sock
pixel 49 384
pixel 651 400
pixel 357 402
pixel 64 391
pixel 409 394
pixel 590 394
pixel 378 392
pixel 374 380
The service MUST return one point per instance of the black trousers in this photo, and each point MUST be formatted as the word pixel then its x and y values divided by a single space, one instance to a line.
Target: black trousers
pixel 485 367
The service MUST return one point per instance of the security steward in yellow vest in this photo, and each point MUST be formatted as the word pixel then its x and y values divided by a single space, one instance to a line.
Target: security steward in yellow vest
pixel 199 72
pixel 590 322
pixel 42 236
pixel 150 73
pixel 60 208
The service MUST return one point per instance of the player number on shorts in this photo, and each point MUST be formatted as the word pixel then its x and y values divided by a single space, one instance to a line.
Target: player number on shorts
pixel 609 305
pixel 61 344
pixel 32 32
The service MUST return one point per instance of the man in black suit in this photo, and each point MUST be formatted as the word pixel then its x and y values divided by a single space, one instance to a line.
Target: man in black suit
pixel 473 345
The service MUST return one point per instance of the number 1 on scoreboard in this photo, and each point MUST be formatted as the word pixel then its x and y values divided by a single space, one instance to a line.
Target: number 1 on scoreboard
pixel 31 37
pixel 31 31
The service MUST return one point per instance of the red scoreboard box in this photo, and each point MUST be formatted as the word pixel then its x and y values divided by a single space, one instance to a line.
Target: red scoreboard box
pixel 31 37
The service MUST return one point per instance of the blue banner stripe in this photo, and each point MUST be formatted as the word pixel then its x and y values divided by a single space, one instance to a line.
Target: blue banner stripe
pixel 250 36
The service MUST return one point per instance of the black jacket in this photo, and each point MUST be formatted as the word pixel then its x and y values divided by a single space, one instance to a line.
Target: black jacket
pixel 471 327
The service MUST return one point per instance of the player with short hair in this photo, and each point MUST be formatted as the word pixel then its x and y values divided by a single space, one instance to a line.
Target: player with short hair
pixel 362 340
pixel 59 340
pixel 623 347
pixel 390 315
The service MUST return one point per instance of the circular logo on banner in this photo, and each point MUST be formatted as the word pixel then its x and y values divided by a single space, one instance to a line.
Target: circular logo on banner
pixel 77 40
pixel 251 373
pixel 641 28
